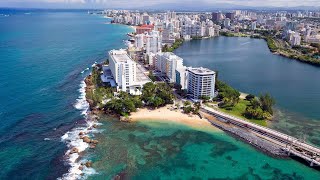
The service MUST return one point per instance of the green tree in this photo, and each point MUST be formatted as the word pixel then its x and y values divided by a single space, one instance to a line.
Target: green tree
pixel 267 103
pixel 250 97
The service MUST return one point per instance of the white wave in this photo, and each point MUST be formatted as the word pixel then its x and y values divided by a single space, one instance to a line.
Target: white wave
pixel 94 64
pixel 46 139
pixel 245 43
pixel 81 102
pixel 73 140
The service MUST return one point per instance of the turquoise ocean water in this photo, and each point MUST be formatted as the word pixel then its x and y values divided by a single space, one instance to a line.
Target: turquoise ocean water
pixel 44 56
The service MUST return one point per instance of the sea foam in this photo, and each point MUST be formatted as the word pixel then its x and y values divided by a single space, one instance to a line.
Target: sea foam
pixel 73 140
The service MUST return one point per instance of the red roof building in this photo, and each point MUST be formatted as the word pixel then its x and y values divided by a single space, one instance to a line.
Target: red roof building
pixel 144 28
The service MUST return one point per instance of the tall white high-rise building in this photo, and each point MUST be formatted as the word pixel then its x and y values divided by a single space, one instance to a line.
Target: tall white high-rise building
pixel 139 41
pixel 145 18
pixel 295 39
pixel 167 63
pixel 254 25
pixel 201 82
pixel 129 75
pixel 153 43
pixel 182 77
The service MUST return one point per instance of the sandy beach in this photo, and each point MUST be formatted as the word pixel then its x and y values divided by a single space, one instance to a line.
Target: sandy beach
pixel 165 114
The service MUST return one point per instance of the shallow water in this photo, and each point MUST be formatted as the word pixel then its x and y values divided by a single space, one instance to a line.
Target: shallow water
pixel 146 150
pixel 43 60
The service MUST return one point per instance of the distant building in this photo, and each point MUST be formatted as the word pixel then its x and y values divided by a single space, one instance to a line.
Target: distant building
pixel 128 75
pixel 254 25
pixel 145 19
pixel 216 16
pixel 139 41
pixel 295 40
pixel 154 42
pixel 193 30
pixel 226 23
pixel 230 15
pixel 144 28
pixel 201 82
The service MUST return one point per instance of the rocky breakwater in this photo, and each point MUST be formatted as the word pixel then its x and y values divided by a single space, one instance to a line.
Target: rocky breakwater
pixel 251 138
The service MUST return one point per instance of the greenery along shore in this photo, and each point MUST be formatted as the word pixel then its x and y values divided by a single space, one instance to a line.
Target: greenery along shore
pixel 103 97
pixel 305 53
pixel 254 109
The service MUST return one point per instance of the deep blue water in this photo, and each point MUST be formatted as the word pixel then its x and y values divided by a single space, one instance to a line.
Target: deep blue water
pixel 249 66
pixel 42 55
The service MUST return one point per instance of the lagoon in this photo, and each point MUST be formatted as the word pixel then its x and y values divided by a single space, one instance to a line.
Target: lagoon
pixel 249 66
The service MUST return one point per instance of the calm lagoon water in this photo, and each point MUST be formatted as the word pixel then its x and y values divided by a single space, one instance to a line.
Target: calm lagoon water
pixel 248 65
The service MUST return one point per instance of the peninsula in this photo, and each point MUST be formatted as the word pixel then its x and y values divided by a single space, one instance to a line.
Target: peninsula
pixel 141 82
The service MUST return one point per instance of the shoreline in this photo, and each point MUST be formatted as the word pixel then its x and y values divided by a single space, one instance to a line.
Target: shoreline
pixel 282 54
pixel 169 115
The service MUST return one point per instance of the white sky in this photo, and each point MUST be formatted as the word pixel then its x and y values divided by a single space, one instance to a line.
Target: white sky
pixel 141 3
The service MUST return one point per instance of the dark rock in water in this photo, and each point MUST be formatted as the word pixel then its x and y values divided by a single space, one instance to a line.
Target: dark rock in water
pixel 92 146
pixel 80 168
pixel 88 164
pixel 95 126
pixel 120 176
pixel 94 141
pixel 81 133
pixel 86 139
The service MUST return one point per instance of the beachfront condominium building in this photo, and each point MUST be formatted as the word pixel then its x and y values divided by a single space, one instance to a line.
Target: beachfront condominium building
pixel 182 77
pixel 128 75
pixel 167 63
pixel 201 82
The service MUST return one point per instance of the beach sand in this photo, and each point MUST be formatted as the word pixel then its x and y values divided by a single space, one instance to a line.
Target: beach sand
pixel 166 115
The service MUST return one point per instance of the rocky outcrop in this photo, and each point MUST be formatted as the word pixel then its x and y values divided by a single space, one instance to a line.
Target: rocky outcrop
pixel 86 139
pixel 88 164
pixel 125 119
pixel 74 150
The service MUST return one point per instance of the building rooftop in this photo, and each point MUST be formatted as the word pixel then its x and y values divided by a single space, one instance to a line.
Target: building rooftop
pixel 201 71
pixel 120 56
pixel 140 74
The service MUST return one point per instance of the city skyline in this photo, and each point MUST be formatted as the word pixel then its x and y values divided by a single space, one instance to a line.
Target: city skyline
pixel 154 3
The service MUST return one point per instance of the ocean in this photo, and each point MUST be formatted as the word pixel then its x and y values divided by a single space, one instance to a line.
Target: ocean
pixel 44 57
